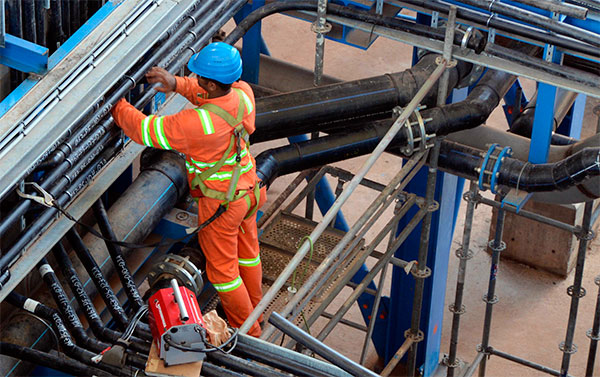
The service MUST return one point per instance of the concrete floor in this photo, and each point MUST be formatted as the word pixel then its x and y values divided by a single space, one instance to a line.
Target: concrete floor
pixel 530 319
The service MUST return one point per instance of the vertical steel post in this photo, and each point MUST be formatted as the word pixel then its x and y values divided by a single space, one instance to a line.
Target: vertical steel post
pixel 497 246
pixel 594 335
pixel 464 253
pixel 576 291
pixel 320 28
pixel 2 25
pixel 422 270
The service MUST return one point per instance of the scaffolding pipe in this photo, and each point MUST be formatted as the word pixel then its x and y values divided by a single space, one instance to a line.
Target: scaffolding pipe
pixel 386 140
pixel 318 347
pixel 594 334
pixel 576 291
pixel 408 342
pixel 556 6
pixel 492 351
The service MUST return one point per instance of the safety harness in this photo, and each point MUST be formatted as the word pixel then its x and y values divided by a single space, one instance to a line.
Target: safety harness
pixel 239 133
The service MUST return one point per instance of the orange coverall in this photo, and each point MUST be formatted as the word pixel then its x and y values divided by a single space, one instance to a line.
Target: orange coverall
pixel 230 243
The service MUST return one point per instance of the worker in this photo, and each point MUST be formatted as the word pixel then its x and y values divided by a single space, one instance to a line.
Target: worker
pixel 213 136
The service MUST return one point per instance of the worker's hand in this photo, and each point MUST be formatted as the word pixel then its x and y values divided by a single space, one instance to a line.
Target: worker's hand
pixel 160 75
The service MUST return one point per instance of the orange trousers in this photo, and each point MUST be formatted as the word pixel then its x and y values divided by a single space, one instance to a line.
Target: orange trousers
pixel 230 244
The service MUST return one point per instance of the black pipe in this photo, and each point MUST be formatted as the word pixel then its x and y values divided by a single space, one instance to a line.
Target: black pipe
pixel 40 20
pixel 277 361
pixel 29 21
pixel 523 125
pixel 85 303
pixel 56 34
pixel 243 366
pixel 65 339
pixel 594 332
pixel 334 105
pixel 475 42
pixel 13 15
pixel 318 347
pixel 106 292
pixel 62 364
pixel 116 255
pixel 211 370
pixel 66 17
pixel 508 26
pixel 47 215
pixel 59 179
pixel 75 16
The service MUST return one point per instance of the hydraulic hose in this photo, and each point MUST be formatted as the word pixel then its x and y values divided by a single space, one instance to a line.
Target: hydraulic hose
pixel 117 256
pixel 106 292
pixel 65 196
pixel 474 42
pixel 66 341
pixel 85 303
pixel 62 364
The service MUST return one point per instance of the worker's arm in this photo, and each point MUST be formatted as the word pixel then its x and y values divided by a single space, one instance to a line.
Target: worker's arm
pixel 186 86
pixel 163 132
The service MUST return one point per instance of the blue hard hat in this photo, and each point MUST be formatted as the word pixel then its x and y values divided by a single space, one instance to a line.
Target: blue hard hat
pixel 218 61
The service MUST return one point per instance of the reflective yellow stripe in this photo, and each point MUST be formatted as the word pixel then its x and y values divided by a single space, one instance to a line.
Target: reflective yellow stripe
pixel 146 137
pixel 230 286
pixel 206 120
pixel 249 262
pixel 159 130
pixel 220 175
pixel 247 101
pixel 230 161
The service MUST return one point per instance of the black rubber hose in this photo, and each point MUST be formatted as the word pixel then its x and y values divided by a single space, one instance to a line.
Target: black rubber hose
pixel 334 105
pixel 60 178
pixel 475 42
pixel 68 312
pixel 106 292
pixel 511 27
pixel 131 289
pixel 66 342
pixel 243 366
pixel 87 306
pixel 62 364
pixel 67 195
pixel 277 361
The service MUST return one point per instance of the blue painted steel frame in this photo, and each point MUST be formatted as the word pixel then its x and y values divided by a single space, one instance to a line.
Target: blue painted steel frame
pixel 23 55
pixel 253 43
pixel 60 53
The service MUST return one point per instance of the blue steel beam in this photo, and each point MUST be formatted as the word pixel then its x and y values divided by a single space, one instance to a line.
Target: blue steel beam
pixel 253 43
pixel 23 55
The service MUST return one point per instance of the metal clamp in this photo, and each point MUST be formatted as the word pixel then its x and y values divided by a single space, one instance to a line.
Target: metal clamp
pixel 585 236
pixel 446 362
pixel 180 268
pixel 460 311
pixel 500 248
pixel 492 301
pixel 570 351
pixel 416 338
pixel 465 39
pixel 571 291
pixel 46 199
pixel 591 335
pixel 490 167
pixel 320 30
pixel 419 142
pixel 459 253
pixel 127 77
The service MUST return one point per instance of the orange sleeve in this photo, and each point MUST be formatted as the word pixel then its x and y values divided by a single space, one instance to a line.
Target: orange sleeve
pixel 250 105
pixel 163 132
pixel 189 88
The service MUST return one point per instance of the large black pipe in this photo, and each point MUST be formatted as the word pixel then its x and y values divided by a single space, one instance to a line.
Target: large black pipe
pixel 334 105
pixel 29 26
pixel 62 364
pixel 40 20
pixel 85 303
pixel 116 256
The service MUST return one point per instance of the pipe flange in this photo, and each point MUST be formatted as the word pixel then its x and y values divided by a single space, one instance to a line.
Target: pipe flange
pixel 320 30
pixel 590 334
pixel 180 268
pixel 416 338
pixel 448 364
pixel 459 253
pixel 492 301
pixel 570 350
pixel 421 274
pixel 453 309
pixel 500 248
pixel 580 293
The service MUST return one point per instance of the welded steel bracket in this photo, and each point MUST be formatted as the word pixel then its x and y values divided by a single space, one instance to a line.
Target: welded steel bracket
pixel 516 199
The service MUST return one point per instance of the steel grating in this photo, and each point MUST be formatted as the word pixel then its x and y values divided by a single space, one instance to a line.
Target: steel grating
pixel 278 245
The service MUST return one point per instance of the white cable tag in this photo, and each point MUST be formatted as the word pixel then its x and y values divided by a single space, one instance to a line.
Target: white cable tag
pixel 44 269
pixel 30 305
